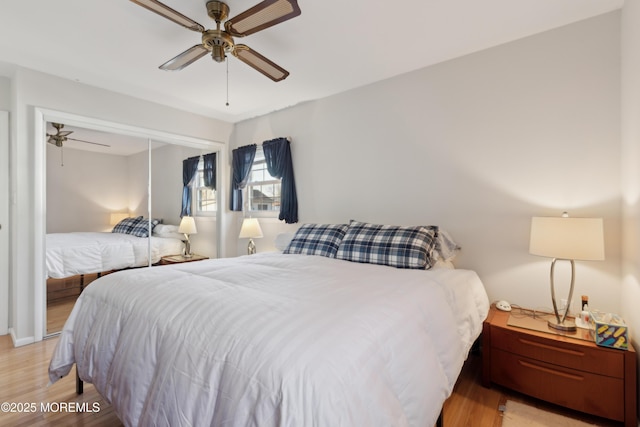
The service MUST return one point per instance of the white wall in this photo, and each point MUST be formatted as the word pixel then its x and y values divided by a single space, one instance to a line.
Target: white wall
pixel 630 296
pixel 5 93
pixel 83 193
pixel 477 145
pixel 30 89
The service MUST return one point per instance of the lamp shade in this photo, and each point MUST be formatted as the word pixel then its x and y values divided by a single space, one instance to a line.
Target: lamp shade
pixel 567 238
pixel 187 225
pixel 250 228
pixel 116 217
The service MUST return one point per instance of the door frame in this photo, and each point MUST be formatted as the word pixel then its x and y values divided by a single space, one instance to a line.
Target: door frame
pixel 4 222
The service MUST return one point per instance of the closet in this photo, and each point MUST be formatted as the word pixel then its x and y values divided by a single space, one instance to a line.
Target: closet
pixel 106 172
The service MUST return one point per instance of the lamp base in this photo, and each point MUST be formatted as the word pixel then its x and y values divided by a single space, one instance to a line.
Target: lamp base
pixel 562 323
pixel 565 325
pixel 251 249
pixel 186 253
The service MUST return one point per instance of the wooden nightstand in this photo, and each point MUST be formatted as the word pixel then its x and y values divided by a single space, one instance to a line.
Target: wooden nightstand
pixel 177 259
pixel 570 372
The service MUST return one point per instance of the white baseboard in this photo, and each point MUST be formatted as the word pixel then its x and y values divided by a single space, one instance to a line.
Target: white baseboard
pixel 22 341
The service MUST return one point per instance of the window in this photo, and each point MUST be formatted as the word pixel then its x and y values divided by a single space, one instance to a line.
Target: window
pixel 263 190
pixel 204 202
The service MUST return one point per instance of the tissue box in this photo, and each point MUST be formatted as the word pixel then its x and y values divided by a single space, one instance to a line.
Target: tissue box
pixel 609 330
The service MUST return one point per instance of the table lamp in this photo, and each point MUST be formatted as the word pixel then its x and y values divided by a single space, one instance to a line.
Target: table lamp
pixel 116 217
pixel 187 227
pixel 568 239
pixel 250 229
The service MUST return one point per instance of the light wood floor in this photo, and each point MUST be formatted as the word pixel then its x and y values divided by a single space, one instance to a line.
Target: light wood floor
pixel 23 379
pixel 57 313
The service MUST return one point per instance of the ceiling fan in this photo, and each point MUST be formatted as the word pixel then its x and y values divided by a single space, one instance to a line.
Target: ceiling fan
pixel 62 136
pixel 220 42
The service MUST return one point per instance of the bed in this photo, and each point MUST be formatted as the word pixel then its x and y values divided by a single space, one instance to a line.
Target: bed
pixel 127 246
pixel 77 253
pixel 274 339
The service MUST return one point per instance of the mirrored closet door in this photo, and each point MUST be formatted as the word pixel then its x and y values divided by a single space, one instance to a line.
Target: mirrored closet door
pixel 103 185
pixel 94 180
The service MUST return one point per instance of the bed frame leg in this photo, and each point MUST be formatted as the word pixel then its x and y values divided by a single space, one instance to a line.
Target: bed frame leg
pixel 79 383
pixel 440 423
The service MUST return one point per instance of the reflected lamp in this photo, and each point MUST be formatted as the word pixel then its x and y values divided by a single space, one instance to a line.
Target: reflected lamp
pixel 250 229
pixel 116 217
pixel 187 227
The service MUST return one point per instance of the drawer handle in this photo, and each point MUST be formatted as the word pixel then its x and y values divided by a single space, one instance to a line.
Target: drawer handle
pixel 551 371
pixel 549 347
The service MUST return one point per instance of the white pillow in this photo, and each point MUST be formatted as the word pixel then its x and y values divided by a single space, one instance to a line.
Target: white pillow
pixel 443 264
pixel 446 248
pixel 282 240
pixel 167 230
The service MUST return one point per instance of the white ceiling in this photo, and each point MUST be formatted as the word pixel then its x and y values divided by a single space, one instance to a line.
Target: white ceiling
pixel 335 45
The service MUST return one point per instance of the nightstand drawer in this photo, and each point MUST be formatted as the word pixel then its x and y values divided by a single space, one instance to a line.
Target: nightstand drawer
pixel 583 358
pixel 597 394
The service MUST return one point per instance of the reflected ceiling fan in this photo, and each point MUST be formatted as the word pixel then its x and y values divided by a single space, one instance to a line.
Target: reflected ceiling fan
pixel 219 42
pixel 62 136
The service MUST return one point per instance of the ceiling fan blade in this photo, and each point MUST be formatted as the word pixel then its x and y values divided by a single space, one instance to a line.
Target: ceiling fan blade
pixel 261 16
pixel 88 142
pixel 255 60
pixel 170 14
pixel 64 133
pixel 187 57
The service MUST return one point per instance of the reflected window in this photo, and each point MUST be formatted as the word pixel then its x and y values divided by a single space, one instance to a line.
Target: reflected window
pixel 204 198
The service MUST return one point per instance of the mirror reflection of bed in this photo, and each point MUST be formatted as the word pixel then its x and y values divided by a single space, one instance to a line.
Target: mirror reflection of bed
pixel 90 188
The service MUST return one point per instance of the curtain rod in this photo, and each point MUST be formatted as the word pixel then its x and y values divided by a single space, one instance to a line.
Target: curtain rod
pixel 200 155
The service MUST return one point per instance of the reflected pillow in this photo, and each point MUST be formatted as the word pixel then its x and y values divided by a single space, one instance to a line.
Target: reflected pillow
pixel 126 225
pixel 141 227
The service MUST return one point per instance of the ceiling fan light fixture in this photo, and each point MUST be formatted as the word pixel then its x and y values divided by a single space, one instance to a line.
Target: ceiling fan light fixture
pixel 218 54
pixel 261 16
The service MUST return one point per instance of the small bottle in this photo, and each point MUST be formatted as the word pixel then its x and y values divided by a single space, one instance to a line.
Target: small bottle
pixel 585 303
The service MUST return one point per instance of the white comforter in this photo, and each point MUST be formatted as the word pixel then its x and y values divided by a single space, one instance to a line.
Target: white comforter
pixel 274 340
pixel 69 254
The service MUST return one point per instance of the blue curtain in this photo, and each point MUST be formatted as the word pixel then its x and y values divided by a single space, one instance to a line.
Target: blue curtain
pixel 241 167
pixel 277 154
pixel 189 169
pixel 209 170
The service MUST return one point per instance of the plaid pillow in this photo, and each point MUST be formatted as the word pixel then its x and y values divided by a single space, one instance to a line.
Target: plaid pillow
pixel 126 225
pixel 141 228
pixel 395 246
pixel 317 239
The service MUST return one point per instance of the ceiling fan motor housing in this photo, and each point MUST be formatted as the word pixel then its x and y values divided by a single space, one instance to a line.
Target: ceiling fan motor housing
pixel 218 42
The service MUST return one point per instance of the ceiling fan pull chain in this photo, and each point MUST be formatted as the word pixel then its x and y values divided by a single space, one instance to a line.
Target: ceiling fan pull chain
pixel 227 83
pixel 61 156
